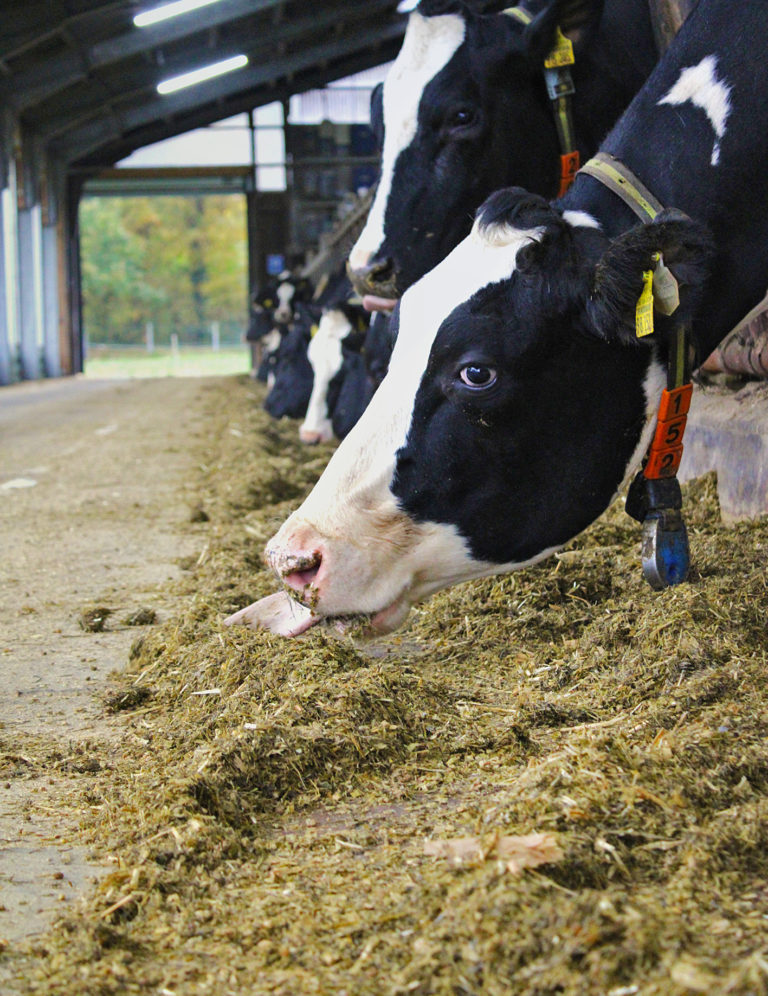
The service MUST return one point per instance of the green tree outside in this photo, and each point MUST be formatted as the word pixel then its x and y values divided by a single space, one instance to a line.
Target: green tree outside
pixel 178 262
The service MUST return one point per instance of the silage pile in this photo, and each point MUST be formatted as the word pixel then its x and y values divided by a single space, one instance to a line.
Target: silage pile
pixel 268 809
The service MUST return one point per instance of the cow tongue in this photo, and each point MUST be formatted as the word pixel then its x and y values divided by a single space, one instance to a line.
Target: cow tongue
pixel 372 302
pixel 284 616
pixel 278 613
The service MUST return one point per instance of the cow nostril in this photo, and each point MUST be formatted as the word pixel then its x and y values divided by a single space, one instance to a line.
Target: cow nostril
pixel 379 278
pixel 302 572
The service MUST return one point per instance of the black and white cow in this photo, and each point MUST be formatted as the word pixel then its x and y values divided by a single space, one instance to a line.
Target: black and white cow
pixel 355 385
pixel 340 333
pixel 378 347
pixel 518 399
pixel 466 112
pixel 290 373
pixel 272 310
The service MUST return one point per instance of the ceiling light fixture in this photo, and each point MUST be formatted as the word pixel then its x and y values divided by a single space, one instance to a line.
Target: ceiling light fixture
pixel 167 10
pixel 201 75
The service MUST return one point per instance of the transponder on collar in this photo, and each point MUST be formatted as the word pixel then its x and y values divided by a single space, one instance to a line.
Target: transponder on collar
pixel 654 496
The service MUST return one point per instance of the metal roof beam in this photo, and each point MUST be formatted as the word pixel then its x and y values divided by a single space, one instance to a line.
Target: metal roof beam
pixel 139 40
pixel 39 21
pixel 69 112
pixel 99 145
pixel 30 87
pixel 78 142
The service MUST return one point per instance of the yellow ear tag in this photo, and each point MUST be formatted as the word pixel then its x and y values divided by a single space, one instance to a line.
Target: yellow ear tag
pixel 562 52
pixel 313 331
pixel 644 309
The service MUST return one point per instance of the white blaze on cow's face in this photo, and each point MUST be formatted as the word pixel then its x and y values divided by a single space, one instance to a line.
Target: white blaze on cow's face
pixel 325 356
pixel 284 309
pixel 428 46
pixel 373 558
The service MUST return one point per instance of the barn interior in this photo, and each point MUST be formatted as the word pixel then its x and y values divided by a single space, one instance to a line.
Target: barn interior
pixel 79 93
pixel 550 782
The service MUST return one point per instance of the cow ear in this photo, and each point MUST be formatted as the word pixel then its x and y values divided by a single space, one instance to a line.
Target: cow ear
pixel 511 210
pixel 515 207
pixel 686 248
pixel 577 19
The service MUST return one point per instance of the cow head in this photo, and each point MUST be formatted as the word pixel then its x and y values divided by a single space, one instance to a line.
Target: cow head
pixel 517 402
pixel 289 292
pixel 464 112
pixel 290 379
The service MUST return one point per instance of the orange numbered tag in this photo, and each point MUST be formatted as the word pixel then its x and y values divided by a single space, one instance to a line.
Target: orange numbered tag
pixel 663 463
pixel 669 434
pixel 569 167
pixel 666 449
pixel 675 402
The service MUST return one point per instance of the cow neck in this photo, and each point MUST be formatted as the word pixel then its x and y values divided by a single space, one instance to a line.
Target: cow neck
pixel 654 496
pixel 619 179
pixel 560 88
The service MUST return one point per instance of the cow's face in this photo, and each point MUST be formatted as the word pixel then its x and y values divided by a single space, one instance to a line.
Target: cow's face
pixel 284 295
pixel 464 112
pixel 290 382
pixel 512 413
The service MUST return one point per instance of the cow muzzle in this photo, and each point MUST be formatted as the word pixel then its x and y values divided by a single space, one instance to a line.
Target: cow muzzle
pixel 377 279
pixel 297 563
pixel 313 437
pixel 326 578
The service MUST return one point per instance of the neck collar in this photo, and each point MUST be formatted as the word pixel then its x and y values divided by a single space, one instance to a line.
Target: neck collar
pixel 654 496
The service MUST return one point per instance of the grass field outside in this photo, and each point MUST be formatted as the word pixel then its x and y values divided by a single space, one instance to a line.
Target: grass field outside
pixel 185 362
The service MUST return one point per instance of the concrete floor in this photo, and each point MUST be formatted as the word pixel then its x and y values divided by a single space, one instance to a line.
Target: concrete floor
pixel 94 478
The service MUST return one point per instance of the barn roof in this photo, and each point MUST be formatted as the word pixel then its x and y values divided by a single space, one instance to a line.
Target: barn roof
pixel 81 78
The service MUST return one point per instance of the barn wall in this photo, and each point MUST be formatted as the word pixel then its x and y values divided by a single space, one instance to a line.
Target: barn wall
pixel 31 270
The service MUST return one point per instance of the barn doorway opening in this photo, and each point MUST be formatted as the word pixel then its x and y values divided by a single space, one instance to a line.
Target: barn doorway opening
pixel 164 284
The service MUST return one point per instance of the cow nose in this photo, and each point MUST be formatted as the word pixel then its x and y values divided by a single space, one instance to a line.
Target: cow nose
pixel 298 570
pixel 314 436
pixel 378 278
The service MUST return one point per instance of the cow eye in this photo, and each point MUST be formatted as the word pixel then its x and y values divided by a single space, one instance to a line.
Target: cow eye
pixel 477 377
pixel 462 117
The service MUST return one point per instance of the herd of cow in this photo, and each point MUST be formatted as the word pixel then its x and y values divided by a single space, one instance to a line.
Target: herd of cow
pixel 322 355
pixel 532 337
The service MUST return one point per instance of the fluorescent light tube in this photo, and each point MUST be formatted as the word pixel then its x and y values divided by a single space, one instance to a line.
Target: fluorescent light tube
pixel 201 75
pixel 167 10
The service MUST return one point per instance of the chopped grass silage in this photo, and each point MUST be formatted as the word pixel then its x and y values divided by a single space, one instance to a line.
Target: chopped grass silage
pixel 267 808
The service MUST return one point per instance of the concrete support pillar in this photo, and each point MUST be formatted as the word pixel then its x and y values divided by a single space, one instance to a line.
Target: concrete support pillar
pixel 6 354
pixel 10 288
pixel 30 278
pixel 50 301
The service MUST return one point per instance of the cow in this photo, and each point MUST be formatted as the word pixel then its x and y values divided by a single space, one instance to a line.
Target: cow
pixel 340 332
pixel 272 310
pixel 270 343
pixel 519 399
pixel 465 111
pixel 290 373
pixel 377 347
pixel 355 386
